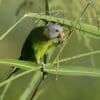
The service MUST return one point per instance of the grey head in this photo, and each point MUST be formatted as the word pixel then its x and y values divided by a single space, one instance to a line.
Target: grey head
pixel 54 30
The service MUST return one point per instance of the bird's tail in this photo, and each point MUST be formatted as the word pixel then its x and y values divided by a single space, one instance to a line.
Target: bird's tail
pixel 14 71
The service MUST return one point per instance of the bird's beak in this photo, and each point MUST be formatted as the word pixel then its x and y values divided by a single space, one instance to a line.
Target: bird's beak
pixel 61 35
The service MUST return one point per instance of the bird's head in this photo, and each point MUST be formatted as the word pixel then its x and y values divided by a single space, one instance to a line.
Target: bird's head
pixel 55 31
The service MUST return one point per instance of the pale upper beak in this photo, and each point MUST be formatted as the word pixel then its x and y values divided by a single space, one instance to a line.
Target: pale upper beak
pixel 61 35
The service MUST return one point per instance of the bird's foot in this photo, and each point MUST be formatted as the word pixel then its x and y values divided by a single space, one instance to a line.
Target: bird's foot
pixel 43 67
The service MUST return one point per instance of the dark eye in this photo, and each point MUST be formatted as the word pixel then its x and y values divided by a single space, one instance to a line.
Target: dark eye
pixel 57 30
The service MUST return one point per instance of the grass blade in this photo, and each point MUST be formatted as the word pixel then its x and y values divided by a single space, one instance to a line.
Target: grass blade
pixel 32 85
pixel 18 76
pixel 46 7
pixel 74 71
pixel 26 65
pixel 90 29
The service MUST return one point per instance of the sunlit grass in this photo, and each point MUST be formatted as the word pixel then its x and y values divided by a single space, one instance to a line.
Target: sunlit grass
pixel 82 19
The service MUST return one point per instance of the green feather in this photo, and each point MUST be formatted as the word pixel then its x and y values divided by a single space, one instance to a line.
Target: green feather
pixel 37 45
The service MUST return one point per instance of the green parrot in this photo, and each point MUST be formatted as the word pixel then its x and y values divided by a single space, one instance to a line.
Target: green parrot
pixel 40 43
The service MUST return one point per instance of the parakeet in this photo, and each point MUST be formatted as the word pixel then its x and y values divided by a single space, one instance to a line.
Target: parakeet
pixel 40 42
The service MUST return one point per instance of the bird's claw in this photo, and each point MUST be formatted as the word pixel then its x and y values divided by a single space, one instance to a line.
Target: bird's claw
pixel 43 65
pixel 61 41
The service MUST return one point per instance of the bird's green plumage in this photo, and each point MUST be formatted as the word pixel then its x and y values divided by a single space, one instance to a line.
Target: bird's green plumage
pixel 36 45
pixel 39 43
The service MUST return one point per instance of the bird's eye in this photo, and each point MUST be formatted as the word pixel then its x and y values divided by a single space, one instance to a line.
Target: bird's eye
pixel 57 30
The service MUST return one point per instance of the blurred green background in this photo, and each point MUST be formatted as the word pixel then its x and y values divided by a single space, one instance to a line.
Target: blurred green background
pixel 64 88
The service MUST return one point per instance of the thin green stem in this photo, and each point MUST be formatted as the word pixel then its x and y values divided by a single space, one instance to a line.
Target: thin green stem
pixel 79 56
pixel 17 76
pixel 33 84
pixel 12 27
pixel 46 7
pixel 73 29
pixel 76 57
pixel 46 10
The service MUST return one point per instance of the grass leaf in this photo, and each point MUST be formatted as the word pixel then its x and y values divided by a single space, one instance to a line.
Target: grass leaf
pixel 74 71
pixel 90 29
pixel 17 76
pixel 85 28
pixel 26 65
pixel 36 78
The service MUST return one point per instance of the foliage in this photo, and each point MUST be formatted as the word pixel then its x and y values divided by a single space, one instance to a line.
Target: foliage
pixel 60 66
